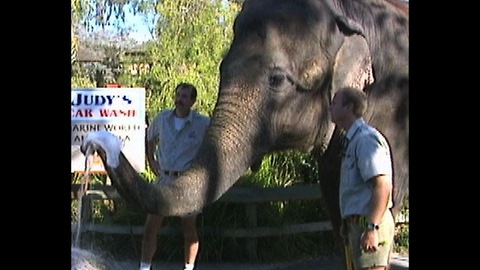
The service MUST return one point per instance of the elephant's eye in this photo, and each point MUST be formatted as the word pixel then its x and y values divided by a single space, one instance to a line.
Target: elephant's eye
pixel 278 80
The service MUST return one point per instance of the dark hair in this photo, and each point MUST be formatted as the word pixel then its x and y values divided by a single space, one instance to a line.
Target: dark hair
pixel 356 97
pixel 193 89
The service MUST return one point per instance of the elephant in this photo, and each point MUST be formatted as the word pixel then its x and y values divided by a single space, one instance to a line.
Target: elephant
pixel 285 62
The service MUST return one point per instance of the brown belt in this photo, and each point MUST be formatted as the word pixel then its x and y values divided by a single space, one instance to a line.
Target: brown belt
pixel 171 173
pixel 357 219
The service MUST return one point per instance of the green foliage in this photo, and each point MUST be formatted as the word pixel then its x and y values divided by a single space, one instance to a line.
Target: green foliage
pixel 287 168
pixel 402 229
pixel 81 78
pixel 192 37
pixel 402 238
pixel 90 13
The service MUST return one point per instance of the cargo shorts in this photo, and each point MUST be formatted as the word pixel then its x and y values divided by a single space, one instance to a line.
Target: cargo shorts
pixel 381 256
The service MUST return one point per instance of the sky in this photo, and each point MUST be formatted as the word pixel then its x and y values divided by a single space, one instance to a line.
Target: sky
pixel 140 31
pixel 138 25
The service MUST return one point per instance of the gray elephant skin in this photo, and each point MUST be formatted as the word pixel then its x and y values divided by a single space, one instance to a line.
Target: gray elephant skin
pixel 285 62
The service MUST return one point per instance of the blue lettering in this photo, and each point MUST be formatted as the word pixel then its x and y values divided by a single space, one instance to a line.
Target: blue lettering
pixel 94 100
pixel 125 98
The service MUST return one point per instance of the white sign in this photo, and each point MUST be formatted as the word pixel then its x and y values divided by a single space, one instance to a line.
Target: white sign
pixel 120 111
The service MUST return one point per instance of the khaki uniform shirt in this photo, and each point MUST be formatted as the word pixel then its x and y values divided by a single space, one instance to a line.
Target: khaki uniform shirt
pixel 367 155
pixel 176 149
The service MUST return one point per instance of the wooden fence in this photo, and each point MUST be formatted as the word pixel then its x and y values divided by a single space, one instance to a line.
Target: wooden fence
pixel 250 196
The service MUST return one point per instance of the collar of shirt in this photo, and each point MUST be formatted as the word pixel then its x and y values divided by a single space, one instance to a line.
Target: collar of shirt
pixel 353 129
pixel 187 119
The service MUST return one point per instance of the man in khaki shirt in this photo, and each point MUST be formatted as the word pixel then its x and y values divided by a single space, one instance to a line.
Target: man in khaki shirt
pixel 365 183
pixel 173 140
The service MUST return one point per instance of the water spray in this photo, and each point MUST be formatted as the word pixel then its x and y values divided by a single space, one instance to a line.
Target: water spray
pixel 89 157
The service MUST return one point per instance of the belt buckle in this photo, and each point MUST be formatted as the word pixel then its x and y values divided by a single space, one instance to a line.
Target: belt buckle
pixel 359 220
pixel 355 219
pixel 171 173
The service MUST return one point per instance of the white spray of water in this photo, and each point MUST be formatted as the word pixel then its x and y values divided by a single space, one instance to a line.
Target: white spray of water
pixel 83 259
pixel 112 146
pixel 82 191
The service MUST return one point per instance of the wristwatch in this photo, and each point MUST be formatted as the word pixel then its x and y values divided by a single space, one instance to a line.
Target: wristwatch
pixel 372 226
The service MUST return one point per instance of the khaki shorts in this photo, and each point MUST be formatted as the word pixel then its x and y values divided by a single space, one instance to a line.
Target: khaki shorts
pixel 380 257
pixel 165 179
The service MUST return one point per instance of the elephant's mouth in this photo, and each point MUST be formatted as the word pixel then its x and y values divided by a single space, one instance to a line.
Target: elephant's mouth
pixel 102 140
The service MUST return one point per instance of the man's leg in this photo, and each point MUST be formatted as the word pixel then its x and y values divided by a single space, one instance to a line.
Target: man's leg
pixel 149 240
pixel 190 236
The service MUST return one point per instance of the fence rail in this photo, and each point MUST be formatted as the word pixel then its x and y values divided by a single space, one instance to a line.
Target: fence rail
pixel 250 196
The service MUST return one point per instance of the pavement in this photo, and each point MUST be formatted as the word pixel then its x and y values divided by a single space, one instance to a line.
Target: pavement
pixel 87 260
pixel 398 262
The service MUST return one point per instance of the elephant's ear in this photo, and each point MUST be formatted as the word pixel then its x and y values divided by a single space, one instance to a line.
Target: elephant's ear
pixel 353 64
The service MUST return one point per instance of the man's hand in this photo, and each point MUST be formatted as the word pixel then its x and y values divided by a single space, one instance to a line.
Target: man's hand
pixel 369 241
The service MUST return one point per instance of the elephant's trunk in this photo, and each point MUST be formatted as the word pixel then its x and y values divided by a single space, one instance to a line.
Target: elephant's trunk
pixel 226 153
pixel 229 148
pixel 176 198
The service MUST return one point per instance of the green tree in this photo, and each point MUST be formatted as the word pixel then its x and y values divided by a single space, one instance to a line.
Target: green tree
pixel 88 14
pixel 192 36
pixel 91 13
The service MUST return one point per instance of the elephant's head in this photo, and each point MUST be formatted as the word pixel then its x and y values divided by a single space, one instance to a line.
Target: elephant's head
pixel 276 83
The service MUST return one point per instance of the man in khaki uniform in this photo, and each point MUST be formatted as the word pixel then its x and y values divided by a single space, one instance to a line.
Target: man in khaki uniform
pixel 365 183
pixel 173 140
